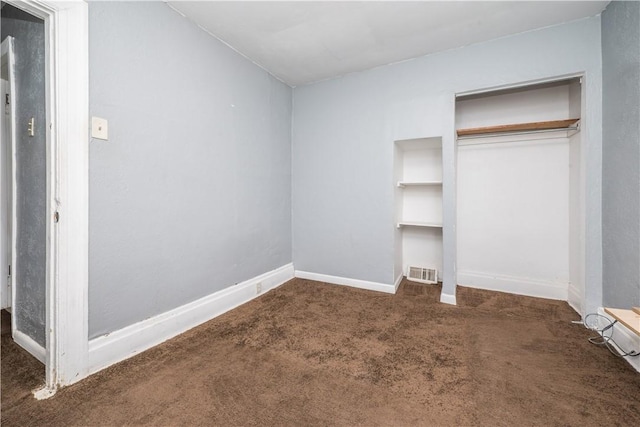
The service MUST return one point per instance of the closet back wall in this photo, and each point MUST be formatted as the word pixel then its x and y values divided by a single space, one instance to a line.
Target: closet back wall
pixel 344 131
pixel 191 194
pixel 513 217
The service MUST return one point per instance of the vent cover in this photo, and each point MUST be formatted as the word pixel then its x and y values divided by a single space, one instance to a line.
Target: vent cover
pixel 422 275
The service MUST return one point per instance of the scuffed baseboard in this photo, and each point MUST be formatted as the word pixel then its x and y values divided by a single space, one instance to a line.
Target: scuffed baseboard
pixel 119 345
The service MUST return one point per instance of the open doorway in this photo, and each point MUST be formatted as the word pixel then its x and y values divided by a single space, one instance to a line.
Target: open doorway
pixel 24 192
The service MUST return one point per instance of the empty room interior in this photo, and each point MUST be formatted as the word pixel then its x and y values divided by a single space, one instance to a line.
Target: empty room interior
pixel 320 213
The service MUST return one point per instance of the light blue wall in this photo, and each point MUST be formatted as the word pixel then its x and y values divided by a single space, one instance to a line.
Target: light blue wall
pixel 192 192
pixel 621 154
pixel 343 133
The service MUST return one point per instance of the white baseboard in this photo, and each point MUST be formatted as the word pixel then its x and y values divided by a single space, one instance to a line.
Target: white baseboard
pixel 32 347
pixel 448 299
pixel 626 339
pixel 574 298
pixel 513 285
pixel 354 283
pixel 396 285
pixel 131 340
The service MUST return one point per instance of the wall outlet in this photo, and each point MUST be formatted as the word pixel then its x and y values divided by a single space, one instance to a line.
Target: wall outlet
pixel 258 287
pixel 99 128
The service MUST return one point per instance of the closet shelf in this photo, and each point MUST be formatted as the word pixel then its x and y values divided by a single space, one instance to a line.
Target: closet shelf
pixel 418 224
pixel 403 184
pixel 568 124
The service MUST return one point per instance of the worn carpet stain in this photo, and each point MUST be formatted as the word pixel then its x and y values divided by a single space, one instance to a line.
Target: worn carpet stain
pixel 310 353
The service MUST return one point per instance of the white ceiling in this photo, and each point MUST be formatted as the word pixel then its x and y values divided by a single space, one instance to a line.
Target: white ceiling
pixel 306 41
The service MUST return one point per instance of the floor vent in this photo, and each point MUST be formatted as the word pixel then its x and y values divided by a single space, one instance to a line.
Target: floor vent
pixel 423 275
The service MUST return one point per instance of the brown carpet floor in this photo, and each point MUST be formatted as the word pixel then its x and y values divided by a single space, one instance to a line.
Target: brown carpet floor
pixel 310 353
pixel 20 372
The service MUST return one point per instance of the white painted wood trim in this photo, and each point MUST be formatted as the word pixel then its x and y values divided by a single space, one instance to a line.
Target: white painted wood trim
pixel 67 81
pixel 449 199
pixel 448 299
pixel 354 283
pixel 26 342
pixel 574 298
pixel 14 181
pixel 518 85
pixel 396 285
pixel 69 295
pixel 131 340
pixel 626 339
pixel 514 285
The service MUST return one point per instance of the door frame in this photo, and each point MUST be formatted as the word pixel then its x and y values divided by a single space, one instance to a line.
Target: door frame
pixel 67 240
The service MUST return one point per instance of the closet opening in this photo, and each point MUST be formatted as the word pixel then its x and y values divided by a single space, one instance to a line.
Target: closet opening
pixel 520 191
pixel 24 170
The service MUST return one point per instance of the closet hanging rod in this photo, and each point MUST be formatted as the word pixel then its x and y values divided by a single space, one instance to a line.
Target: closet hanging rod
pixel 573 129
pixel 519 127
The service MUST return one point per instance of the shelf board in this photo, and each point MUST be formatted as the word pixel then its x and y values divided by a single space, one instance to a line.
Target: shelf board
pixel 628 318
pixel 403 184
pixel 418 224
pixel 519 127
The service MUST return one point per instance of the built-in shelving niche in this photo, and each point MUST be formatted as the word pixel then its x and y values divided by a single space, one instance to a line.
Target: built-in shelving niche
pixel 418 195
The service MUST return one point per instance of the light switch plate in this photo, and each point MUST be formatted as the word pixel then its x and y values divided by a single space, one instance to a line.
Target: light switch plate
pixel 99 128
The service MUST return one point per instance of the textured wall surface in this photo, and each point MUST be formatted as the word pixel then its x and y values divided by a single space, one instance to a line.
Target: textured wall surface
pixel 343 133
pixel 192 192
pixel 621 154
pixel 31 155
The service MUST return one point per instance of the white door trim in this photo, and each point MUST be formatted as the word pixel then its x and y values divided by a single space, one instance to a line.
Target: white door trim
pixel 67 88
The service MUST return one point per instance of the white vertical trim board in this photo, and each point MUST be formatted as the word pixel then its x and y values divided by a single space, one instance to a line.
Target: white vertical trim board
pixel 354 283
pixel 69 313
pixel 131 340
pixel 26 342
pixel 514 285
pixel 627 340
pixel 574 298
pixel 396 285
pixel 11 163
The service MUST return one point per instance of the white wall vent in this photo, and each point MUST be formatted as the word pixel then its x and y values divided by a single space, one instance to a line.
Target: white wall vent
pixel 422 275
